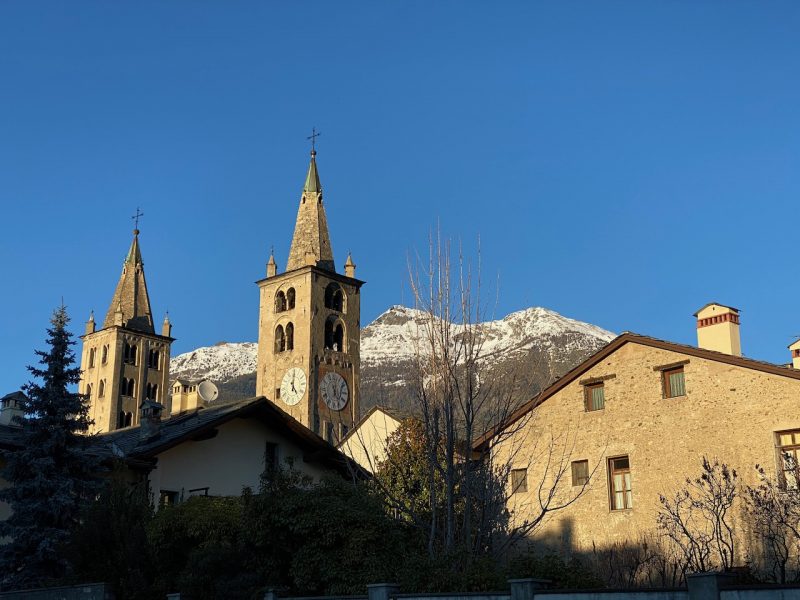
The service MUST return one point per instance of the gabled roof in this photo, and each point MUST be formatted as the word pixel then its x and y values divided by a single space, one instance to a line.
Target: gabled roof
pixel 705 306
pixel 388 412
pixel 194 425
pixel 616 344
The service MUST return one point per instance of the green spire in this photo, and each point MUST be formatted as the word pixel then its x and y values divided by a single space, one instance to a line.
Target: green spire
pixel 134 254
pixel 312 179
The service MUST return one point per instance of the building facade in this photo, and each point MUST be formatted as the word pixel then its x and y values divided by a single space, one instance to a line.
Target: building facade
pixel 309 326
pixel 635 420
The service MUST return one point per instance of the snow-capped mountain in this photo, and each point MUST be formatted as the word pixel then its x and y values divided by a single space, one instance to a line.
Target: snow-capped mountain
pixel 219 363
pixel 531 346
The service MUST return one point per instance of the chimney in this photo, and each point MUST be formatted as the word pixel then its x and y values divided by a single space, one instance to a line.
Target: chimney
pixel 10 407
pixel 718 328
pixel 150 421
pixel 795 350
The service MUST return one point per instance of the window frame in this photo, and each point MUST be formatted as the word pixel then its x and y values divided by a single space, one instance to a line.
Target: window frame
pixel 792 449
pixel 588 399
pixel 627 492
pixel 665 381
pixel 521 485
pixel 576 478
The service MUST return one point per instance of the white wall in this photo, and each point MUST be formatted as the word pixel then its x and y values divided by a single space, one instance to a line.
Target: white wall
pixel 226 463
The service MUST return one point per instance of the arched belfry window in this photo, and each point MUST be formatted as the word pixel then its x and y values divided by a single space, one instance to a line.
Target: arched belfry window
pixel 289 336
pixel 280 302
pixel 290 298
pixel 129 353
pixel 104 355
pixel 280 339
pixel 334 334
pixel 334 297
pixel 89 391
pixel 128 387
pixel 101 390
pixel 92 352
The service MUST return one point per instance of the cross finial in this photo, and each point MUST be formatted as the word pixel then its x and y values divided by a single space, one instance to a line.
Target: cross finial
pixel 136 220
pixel 313 137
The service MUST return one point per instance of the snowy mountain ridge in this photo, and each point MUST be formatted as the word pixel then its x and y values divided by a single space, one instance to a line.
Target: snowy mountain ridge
pixel 388 343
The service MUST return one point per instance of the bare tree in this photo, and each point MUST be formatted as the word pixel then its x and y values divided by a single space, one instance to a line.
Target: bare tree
pixel 457 403
pixel 772 508
pixel 699 518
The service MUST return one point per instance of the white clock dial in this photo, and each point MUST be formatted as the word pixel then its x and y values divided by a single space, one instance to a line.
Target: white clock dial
pixel 293 386
pixel 333 390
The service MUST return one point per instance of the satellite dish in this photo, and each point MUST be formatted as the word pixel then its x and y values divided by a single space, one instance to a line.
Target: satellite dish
pixel 207 391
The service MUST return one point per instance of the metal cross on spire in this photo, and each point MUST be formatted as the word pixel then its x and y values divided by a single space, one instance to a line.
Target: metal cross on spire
pixel 313 137
pixel 136 219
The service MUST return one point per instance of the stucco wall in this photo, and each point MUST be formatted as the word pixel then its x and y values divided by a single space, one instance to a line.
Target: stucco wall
pixel 367 443
pixel 226 463
pixel 728 412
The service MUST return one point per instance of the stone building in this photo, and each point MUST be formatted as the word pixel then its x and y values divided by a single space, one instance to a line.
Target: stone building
pixel 635 420
pixel 125 362
pixel 309 326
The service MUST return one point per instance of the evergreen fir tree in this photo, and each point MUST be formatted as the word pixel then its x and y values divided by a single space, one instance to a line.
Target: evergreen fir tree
pixel 52 472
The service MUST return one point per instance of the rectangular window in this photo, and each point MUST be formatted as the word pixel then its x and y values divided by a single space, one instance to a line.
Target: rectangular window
pixel 594 396
pixel 619 479
pixel 580 472
pixel 789 454
pixel 519 480
pixel 329 432
pixel 343 429
pixel 270 460
pixel 277 392
pixel 673 382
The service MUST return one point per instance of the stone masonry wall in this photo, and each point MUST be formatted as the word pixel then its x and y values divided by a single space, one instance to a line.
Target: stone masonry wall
pixel 728 412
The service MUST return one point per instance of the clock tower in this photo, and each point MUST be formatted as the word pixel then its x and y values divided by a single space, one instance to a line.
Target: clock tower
pixel 309 326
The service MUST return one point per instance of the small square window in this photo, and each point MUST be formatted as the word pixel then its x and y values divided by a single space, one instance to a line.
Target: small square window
pixel 519 480
pixel 580 472
pixel 673 382
pixel 594 396
pixel 619 480
pixel 168 498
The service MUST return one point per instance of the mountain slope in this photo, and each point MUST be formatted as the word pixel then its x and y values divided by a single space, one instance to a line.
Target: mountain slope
pixel 529 348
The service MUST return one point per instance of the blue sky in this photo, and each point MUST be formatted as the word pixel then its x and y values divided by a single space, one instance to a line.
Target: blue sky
pixel 622 162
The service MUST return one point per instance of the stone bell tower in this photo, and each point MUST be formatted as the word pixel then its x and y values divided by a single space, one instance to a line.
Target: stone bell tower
pixel 125 363
pixel 309 326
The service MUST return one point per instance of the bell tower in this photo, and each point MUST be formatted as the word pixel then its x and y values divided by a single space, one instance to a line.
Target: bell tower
pixel 309 326
pixel 125 363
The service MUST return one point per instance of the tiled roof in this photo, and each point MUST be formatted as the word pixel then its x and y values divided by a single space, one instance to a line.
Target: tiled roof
pixel 129 443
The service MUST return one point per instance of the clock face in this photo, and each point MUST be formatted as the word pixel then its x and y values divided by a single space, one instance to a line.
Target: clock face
pixel 333 390
pixel 293 386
